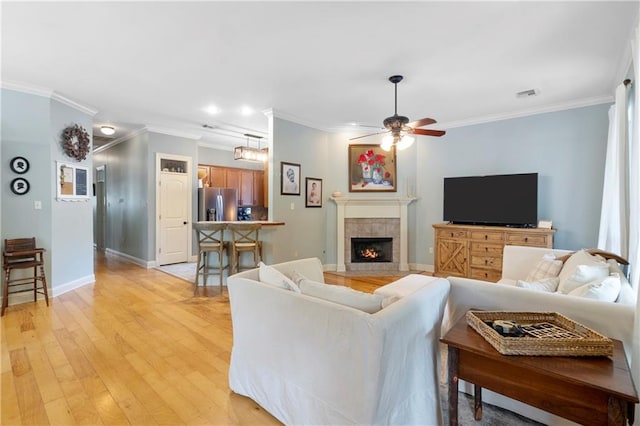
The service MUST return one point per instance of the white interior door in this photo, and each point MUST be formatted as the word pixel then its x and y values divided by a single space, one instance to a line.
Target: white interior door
pixel 174 219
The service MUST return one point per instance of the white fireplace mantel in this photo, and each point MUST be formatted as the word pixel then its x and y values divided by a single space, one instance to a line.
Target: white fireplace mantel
pixel 372 207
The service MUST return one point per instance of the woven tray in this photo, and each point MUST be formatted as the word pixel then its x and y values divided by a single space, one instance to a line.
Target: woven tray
pixel 560 336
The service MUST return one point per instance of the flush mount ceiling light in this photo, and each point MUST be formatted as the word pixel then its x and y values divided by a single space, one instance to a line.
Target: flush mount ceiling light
pixel 107 130
pixel 250 153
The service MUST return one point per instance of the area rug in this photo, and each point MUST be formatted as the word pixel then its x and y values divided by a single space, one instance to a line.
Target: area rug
pixel 187 272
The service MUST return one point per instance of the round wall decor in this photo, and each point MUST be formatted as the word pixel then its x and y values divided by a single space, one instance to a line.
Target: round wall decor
pixel 76 142
pixel 19 165
pixel 20 186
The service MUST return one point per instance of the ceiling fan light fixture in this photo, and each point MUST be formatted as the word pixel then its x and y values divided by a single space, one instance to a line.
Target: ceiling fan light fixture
pixel 107 130
pixel 387 143
pixel 405 142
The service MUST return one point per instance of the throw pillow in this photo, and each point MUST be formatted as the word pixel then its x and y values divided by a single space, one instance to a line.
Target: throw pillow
pixel 605 289
pixel 549 284
pixel 366 302
pixel 582 275
pixel 270 275
pixel 571 278
pixel 546 267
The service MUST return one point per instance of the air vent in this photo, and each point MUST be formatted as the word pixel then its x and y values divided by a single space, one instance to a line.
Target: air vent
pixel 526 93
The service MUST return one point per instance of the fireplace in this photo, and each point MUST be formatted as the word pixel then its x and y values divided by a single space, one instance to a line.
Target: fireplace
pixel 372 217
pixel 364 250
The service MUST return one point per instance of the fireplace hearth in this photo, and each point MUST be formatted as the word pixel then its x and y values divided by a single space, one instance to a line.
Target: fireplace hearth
pixel 364 250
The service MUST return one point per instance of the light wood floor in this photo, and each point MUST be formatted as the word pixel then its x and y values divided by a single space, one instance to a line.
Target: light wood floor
pixel 136 347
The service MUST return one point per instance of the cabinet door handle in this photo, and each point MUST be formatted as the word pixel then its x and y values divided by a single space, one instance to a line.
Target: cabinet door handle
pixel 486 237
pixel 486 262
pixel 526 239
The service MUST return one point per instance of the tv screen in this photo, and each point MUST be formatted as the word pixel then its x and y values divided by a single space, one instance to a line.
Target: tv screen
pixel 508 200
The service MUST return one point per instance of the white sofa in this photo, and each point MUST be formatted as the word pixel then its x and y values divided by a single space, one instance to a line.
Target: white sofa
pixel 615 320
pixel 310 361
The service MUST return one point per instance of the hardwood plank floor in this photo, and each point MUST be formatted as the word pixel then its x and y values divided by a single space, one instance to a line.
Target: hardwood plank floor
pixel 136 347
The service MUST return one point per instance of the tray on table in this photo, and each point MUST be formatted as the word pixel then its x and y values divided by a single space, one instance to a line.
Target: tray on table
pixel 545 333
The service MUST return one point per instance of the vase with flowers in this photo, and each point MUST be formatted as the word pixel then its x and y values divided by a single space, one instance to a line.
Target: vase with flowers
pixel 372 166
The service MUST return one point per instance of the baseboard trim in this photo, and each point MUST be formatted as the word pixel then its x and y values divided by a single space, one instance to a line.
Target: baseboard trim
pixel 27 297
pixel 140 262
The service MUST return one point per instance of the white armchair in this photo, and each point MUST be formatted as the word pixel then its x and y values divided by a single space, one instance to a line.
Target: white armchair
pixel 310 361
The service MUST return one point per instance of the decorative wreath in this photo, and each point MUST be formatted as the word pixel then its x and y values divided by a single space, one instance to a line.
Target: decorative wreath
pixel 76 142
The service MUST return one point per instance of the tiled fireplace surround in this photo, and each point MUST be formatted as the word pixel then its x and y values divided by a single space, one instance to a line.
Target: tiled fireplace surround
pixel 372 217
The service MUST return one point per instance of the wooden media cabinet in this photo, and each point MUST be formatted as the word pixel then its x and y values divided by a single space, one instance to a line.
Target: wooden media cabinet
pixel 474 251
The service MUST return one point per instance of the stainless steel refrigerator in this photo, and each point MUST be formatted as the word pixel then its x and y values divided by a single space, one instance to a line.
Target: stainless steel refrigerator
pixel 217 204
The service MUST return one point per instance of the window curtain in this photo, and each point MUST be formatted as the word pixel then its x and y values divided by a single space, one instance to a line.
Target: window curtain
pixel 613 215
pixel 634 206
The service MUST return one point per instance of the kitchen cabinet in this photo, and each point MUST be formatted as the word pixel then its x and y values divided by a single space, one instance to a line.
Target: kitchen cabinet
pixel 251 184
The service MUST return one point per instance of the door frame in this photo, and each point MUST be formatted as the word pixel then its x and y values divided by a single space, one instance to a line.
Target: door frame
pixel 189 161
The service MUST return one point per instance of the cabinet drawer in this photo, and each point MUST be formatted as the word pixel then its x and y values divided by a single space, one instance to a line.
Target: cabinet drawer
pixel 487 236
pixel 485 274
pixel 452 233
pixel 486 248
pixel 527 240
pixel 494 262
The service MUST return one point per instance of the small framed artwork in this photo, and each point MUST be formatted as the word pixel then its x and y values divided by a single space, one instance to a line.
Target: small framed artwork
pixel 72 181
pixel 19 165
pixel 289 178
pixel 20 186
pixel 371 169
pixel 313 193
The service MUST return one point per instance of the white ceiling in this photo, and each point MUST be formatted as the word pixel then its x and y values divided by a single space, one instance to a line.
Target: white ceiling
pixel 161 64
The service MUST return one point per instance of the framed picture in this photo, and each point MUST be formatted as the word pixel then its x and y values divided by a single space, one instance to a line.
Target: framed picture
pixel 72 182
pixel 371 169
pixel 313 193
pixel 19 165
pixel 289 178
pixel 20 186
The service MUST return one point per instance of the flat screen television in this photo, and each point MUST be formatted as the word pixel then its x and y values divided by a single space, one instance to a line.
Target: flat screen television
pixel 501 200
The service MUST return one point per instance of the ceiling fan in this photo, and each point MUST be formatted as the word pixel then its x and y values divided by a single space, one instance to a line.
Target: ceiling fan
pixel 399 128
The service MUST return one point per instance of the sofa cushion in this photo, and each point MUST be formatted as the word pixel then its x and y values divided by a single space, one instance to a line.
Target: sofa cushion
pixel 366 302
pixel 272 276
pixel 605 289
pixel 549 284
pixel 580 269
pixel 546 267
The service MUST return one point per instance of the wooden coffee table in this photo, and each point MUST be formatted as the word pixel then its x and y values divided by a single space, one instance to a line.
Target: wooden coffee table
pixel 586 390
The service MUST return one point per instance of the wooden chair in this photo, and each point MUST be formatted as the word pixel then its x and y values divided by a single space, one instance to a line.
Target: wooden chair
pixel 245 238
pixel 210 237
pixel 22 253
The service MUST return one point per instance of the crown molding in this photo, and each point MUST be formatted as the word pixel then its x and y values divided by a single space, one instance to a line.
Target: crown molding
pixel 171 132
pixel 73 104
pixel 121 139
pixel 272 112
pixel 215 146
pixel 525 113
pixel 48 93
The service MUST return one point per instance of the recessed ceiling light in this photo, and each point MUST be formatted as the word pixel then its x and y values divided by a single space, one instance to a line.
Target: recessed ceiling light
pixel 212 109
pixel 107 130
pixel 246 110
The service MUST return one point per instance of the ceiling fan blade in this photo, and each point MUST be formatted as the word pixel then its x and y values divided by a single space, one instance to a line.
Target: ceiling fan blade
pixel 422 122
pixel 370 134
pixel 429 132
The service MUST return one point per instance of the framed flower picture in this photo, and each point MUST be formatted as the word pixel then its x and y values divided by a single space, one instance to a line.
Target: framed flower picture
pixel 371 169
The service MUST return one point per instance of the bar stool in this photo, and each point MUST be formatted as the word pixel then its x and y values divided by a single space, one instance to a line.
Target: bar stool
pixel 245 238
pixel 22 253
pixel 210 237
